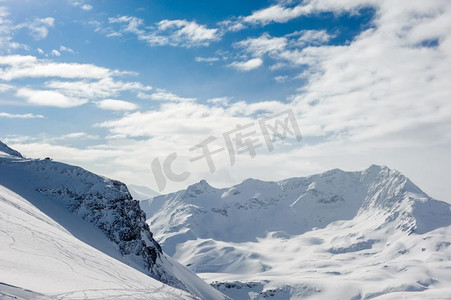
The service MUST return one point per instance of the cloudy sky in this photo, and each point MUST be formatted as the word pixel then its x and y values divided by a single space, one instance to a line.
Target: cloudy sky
pixel 118 87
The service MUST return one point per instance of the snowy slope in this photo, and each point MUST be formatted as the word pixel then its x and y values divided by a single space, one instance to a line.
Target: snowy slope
pixel 39 255
pixel 340 235
pixel 5 151
pixel 95 211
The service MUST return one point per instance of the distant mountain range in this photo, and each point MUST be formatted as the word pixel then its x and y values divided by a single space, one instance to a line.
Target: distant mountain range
pixel 335 235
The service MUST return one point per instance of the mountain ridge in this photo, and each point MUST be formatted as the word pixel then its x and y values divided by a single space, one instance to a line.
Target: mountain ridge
pixel 353 193
pixel 243 239
pixel 107 205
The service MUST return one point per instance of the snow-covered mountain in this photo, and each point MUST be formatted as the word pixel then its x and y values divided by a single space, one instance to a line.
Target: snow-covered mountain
pixel 72 233
pixel 41 259
pixel 68 233
pixel 335 235
pixel 6 151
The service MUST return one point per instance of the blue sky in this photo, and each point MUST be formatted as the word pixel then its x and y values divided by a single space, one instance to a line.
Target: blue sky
pixel 112 85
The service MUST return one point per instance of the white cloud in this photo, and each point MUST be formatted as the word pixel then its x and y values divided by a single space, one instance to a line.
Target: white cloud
pixel 279 65
pixel 251 109
pixel 263 44
pixel 44 138
pixel 39 27
pixel 223 101
pixel 76 135
pixel 19 66
pixel 190 120
pixel 185 31
pixel 5 87
pixel 66 153
pixel 40 51
pixel 14 139
pixel 276 13
pixel 48 98
pixel 279 47
pixel 370 89
pixel 162 95
pixel 132 24
pixel 166 32
pixel 55 53
pixel 66 49
pixel 171 120
pixel 312 37
pixel 20 116
pixel 284 12
pixel 86 7
pixel 17 59
pixel 248 65
pixel 281 78
pixel 6 33
pixel 206 59
pixel 112 104
pixel 231 25
pixel 180 126
pixel 105 87
pixel 96 83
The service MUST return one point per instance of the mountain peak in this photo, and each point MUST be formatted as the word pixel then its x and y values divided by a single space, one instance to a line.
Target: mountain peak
pixel 376 169
pixel 198 188
pixel 7 150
